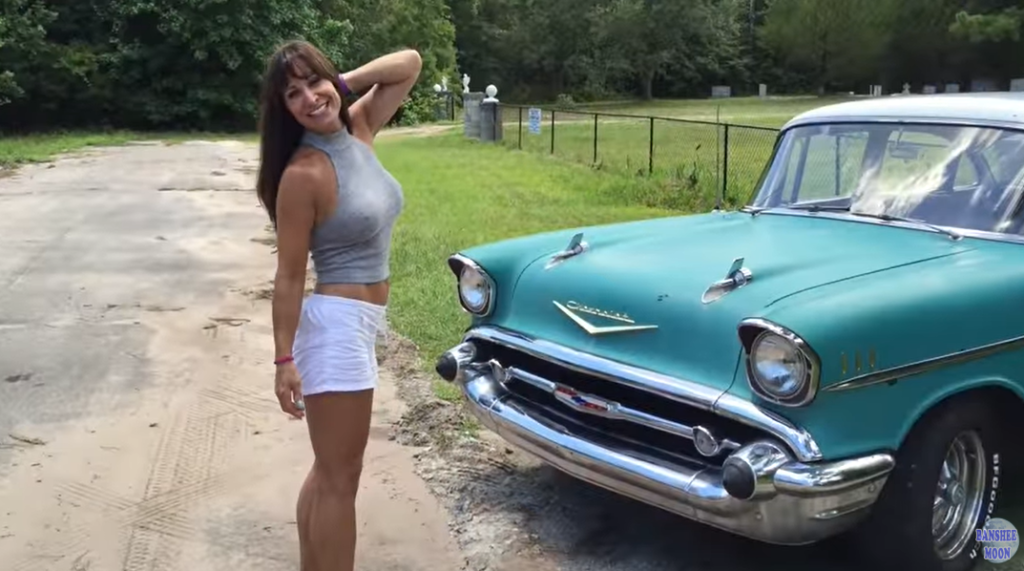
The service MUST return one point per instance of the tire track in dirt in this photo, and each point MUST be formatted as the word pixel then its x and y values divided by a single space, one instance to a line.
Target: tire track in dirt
pixel 195 450
pixel 124 513
pixel 189 467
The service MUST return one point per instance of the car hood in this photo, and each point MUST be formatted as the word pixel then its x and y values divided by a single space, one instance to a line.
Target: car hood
pixel 654 272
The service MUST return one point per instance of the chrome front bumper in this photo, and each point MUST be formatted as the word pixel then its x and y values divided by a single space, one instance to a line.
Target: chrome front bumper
pixel 792 503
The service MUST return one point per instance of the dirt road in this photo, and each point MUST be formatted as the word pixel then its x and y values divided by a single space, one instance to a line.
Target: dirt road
pixel 138 428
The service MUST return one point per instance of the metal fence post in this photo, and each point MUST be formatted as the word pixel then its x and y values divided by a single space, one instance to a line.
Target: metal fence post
pixel 552 131
pixel 595 138
pixel 520 128
pixel 650 149
pixel 725 162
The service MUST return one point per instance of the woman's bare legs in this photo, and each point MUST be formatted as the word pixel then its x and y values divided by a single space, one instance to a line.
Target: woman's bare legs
pixel 339 424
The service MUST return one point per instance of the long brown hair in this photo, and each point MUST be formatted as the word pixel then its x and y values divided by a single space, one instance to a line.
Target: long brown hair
pixel 280 133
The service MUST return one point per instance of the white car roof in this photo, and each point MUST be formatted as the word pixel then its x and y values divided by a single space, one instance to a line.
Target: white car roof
pixel 994 108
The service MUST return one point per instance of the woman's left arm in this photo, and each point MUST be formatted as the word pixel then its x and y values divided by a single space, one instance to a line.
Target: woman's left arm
pixel 389 79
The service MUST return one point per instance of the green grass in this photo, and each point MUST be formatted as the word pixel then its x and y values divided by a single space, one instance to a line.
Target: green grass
pixel 23 149
pixel 697 158
pixel 459 194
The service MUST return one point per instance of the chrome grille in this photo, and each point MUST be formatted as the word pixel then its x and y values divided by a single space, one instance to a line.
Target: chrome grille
pixel 663 426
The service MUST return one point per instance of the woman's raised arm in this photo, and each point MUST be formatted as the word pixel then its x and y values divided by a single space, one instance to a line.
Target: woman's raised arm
pixel 389 79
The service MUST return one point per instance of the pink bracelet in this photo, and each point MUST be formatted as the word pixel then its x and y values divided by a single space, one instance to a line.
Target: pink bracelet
pixel 283 360
pixel 344 86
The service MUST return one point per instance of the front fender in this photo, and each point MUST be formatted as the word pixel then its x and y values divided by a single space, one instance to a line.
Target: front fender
pixel 895 344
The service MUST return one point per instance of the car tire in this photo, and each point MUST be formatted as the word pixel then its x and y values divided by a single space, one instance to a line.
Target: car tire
pixel 898 533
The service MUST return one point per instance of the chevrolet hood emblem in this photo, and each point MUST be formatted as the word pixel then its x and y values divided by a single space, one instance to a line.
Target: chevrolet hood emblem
pixel 573 309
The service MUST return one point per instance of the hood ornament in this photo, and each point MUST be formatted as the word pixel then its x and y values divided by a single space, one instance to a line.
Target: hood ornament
pixel 735 278
pixel 574 308
pixel 576 247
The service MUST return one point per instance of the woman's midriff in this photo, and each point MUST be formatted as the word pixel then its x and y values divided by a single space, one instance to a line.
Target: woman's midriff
pixel 371 293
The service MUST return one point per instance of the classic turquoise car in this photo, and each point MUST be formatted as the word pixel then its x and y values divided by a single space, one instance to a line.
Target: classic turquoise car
pixel 843 355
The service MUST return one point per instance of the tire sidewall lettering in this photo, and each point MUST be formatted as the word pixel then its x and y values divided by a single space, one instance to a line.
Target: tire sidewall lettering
pixel 990 506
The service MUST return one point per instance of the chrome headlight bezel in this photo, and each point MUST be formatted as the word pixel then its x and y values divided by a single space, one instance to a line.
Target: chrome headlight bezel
pixel 755 334
pixel 468 272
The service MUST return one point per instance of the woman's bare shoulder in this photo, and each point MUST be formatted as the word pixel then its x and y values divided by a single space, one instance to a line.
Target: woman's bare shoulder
pixel 308 170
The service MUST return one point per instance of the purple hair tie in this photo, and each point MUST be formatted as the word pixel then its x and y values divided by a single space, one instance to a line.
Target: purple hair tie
pixel 344 86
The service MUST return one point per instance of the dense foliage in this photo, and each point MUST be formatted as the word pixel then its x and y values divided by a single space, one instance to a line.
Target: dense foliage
pixel 197 63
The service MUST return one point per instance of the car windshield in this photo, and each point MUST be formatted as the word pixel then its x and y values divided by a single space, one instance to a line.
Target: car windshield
pixel 963 177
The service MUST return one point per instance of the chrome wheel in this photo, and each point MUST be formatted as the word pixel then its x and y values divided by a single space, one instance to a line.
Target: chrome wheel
pixel 959 495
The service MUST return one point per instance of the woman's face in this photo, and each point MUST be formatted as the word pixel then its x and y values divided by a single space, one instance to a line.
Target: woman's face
pixel 314 102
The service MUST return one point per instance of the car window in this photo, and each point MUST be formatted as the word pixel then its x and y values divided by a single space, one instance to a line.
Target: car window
pixel 831 166
pixel 959 176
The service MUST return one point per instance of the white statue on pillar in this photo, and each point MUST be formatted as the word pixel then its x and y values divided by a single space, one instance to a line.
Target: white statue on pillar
pixel 465 83
pixel 444 84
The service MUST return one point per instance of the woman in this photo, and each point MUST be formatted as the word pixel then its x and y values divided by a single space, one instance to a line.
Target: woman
pixel 328 196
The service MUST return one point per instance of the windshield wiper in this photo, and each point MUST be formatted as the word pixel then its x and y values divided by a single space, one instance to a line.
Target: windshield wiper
pixel 885 217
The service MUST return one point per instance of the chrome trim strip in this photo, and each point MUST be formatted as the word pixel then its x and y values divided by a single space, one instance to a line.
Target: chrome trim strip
pixel 914 120
pixel 455 264
pixel 810 388
pixel 688 392
pixel 597 406
pixel 814 501
pixel 896 373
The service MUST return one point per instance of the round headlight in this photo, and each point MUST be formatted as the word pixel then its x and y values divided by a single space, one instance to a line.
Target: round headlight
pixel 778 366
pixel 474 289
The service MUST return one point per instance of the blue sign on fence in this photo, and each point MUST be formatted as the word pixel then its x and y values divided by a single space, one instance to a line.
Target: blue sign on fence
pixel 535 114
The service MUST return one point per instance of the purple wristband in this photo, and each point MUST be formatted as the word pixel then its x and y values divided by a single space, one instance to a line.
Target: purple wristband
pixel 344 86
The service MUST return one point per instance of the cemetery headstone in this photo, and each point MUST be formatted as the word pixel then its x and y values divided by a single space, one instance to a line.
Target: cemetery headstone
pixel 721 91
pixel 471 114
pixel 1017 84
pixel 928 90
pixel 984 84
pixel 535 115
pixel 952 88
pixel 762 91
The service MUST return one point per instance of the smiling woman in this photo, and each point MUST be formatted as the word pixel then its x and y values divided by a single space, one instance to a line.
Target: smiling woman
pixel 328 196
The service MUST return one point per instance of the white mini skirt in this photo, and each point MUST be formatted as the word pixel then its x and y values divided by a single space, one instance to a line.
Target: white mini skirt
pixel 335 344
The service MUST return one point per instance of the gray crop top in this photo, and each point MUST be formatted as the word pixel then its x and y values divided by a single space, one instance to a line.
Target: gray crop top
pixel 353 245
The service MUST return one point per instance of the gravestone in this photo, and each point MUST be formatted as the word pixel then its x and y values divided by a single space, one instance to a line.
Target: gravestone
pixel 984 84
pixel 762 91
pixel 952 88
pixel 929 90
pixel 533 118
pixel 876 91
pixel 1017 84
pixel 906 89
pixel 721 91
pixel 471 114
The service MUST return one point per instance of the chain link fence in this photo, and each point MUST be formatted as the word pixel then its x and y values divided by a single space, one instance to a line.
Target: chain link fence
pixel 702 158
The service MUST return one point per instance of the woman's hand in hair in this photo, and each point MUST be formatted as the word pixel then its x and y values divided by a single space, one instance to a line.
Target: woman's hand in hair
pixel 389 79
